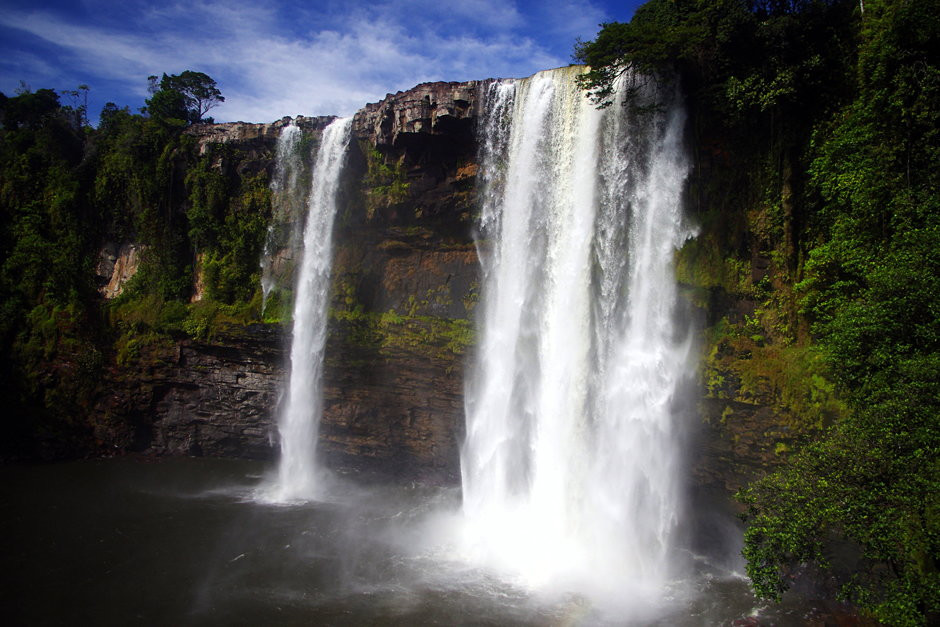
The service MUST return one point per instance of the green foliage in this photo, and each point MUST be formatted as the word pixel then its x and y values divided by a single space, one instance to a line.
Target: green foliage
pixel 437 338
pixel 208 199
pixel 872 292
pixel 64 190
pixel 47 234
pixel 228 215
pixel 765 67
pixel 182 99
pixel 136 187
pixel 834 113
pixel 206 317
pixel 279 307
pixel 384 183
pixel 30 110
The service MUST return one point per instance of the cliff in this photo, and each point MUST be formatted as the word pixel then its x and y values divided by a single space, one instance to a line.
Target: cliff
pixel 429 109
pixel 405 284
pixel 261 137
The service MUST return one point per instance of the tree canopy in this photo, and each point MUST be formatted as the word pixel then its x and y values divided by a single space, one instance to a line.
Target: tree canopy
pixel 66 189
pixel 181 99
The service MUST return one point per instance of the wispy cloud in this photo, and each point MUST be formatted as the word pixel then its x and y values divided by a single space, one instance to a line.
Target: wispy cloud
pixel 268 65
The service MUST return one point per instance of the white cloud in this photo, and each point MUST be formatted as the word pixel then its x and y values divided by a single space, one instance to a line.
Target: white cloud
pixel 266 73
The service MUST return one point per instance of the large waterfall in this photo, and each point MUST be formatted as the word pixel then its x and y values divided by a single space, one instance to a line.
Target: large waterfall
pixel 299 423
pixel 571 460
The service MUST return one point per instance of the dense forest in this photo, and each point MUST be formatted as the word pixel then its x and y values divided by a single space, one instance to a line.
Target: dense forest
pixel 68 188
pixel 815 131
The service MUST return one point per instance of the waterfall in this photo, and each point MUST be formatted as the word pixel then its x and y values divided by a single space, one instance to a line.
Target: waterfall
pixel 571 461
pixel 289 188
pixel 299 422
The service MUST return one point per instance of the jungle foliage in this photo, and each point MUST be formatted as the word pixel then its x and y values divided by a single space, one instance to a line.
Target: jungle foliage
pixel 840 101
pixel 65 188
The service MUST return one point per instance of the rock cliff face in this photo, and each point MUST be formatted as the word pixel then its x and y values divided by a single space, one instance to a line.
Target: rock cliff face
pixel 405 284
pixel 428 109
pixel 405 281
pixel 116 266
pixel 210 398
pixel 404 287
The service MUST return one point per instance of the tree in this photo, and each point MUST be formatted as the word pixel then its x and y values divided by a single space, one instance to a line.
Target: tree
pixel 79 106
pixel 184 98
pixel 872 292
pixel 29 109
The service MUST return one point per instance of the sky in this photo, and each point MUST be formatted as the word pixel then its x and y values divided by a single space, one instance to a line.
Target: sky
pixel 286 57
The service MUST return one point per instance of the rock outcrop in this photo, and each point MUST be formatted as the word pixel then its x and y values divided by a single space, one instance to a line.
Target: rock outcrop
pixel 404 288
pixel 429 109
pixel 212 398
pixel 390 405
pixel 248 134
pixel 117 264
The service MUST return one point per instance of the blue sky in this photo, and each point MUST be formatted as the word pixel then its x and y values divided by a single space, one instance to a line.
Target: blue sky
pixel 286 57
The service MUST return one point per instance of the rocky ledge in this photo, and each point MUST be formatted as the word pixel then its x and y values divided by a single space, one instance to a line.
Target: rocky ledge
pixel 250 133
pixel 430 108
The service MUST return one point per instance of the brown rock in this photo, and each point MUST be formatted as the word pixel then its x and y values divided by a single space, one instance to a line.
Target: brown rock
pixel 428 108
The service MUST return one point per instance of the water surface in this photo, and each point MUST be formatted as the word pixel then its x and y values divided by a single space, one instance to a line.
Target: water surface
pixel 184 541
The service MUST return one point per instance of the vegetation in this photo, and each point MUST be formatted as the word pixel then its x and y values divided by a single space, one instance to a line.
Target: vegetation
pixel 46 229
pixel 830 109
pixel 386 333
pixel 384 183
pixel 178 100
pixel 65 188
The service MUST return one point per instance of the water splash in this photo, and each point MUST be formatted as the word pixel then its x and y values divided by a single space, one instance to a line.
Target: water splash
pixel 300 420
pixel 571 460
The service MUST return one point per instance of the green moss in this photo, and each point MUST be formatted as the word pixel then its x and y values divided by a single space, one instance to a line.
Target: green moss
pixel 702 263
pixel 206 317
pixel 385 183
pixel 389 332
pixel 742 365
pixel 279 308
pixel 472 297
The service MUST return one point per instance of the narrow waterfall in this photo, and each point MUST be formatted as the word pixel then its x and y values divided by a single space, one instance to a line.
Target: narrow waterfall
pixel 290 188
pixel 299 423
pixel 571 460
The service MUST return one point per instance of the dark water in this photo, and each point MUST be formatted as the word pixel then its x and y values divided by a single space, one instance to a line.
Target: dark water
pixel 186 541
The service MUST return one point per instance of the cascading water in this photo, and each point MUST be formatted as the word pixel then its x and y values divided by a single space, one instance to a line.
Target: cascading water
pixel 570 464
pixel 299 423
pixel 290 189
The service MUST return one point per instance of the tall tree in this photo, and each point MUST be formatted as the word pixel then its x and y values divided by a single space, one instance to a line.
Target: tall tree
pixel 185 97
